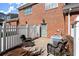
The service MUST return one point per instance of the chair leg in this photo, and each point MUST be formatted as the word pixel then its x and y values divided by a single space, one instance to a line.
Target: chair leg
pixel 48 54
pixel 54 51
pixel 49 48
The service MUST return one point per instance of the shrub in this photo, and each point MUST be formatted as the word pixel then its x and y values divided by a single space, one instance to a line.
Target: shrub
pixel 69 44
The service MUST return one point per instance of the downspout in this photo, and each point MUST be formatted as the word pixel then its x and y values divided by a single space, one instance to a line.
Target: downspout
pixel 69 29
pixel 74 49
pixel 69 21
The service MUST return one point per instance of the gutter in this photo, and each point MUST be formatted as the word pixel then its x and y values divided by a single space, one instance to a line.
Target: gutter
pixel 12 20
pixel 73 6
pixel 26 6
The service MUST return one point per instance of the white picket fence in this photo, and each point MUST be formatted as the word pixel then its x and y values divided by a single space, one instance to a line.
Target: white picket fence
pixel 10 35
pixel 30 31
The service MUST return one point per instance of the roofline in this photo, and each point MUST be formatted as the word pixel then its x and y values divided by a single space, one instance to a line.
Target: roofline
pixel 12 20
pixel 26 5
pixel 12 14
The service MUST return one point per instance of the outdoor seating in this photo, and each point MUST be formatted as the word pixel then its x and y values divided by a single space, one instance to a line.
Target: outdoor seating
pixel 58 48
pixel 26 42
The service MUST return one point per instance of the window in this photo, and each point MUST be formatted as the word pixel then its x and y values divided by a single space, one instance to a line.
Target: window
pixel 8 17
pixel 50 5
pixel 28 11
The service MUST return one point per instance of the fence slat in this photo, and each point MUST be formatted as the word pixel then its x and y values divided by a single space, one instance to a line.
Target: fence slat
pixel 4 36
pixel 0 39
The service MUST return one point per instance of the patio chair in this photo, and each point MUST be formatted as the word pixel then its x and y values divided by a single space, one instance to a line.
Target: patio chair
pixel 57 49
pixel 26 42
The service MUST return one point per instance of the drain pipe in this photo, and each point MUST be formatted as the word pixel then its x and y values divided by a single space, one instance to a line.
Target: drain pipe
pixel 69 21
pixel 74 50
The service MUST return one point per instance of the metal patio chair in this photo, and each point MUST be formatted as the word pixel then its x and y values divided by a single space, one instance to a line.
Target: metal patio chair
pixel 26 42
pixel 58 48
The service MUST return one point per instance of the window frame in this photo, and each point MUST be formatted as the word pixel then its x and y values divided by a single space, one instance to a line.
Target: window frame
pixel 29 11
pixel 50 7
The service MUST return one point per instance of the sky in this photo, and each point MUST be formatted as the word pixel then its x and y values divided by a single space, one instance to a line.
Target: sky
pixel 10 7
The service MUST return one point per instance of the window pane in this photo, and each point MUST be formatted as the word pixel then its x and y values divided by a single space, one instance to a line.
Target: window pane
pixel 50 5
pixel 28 11
pixel 55 5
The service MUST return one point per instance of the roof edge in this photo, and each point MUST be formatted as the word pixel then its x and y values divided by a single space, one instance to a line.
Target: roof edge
pixel 11 20
pixel 26 5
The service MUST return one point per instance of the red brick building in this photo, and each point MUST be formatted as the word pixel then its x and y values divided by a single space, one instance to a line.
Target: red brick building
pixel 50 18
pixel 52 13
pixel 55 15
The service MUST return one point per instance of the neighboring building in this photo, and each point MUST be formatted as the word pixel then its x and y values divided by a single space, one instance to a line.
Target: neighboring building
pixel 12 19
pixel 12 15
pixel 38 13
pixel 2 17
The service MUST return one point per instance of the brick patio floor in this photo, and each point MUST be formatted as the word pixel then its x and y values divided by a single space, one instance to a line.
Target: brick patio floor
pixel 40 43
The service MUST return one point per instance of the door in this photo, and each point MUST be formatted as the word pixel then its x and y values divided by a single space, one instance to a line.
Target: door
pixel 44 30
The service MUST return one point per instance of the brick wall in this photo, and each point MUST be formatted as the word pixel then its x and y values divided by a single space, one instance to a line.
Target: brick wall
pixel 53 17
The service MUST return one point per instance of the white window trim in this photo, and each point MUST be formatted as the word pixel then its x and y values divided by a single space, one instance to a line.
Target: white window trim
pixel 29 13
pixel 50 8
